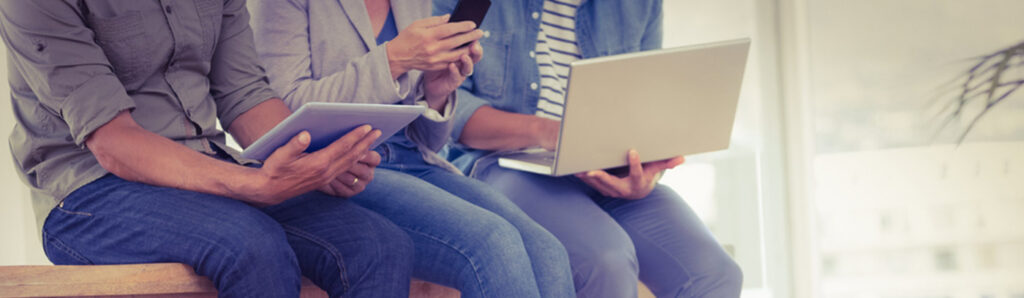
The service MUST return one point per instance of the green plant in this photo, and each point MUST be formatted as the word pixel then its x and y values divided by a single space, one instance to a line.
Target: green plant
pixel 988 81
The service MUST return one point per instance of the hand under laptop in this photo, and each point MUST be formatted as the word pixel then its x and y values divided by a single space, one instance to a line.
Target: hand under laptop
pixel 666 103
pixel 634 181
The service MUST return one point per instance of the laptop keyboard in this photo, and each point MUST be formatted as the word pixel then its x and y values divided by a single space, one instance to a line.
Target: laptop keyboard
pixel 542 157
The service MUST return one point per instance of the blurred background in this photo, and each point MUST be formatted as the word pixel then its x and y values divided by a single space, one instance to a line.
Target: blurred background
pixel 847 175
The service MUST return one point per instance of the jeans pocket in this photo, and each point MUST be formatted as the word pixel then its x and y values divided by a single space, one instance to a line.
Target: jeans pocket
pixel 489 74
pixel 124 41
pixel 385 153
pixel 60 208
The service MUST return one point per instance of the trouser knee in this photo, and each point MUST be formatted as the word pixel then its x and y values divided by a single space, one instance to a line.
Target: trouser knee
pixel 254 264
pixel 604 270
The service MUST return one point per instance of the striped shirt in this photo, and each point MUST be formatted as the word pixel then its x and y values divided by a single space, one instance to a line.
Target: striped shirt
pixel 556 48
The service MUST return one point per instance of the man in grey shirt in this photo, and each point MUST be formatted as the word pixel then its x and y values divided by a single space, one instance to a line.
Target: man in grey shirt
pixel 117 105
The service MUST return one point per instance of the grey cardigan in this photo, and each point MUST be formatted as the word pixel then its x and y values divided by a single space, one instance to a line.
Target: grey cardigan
pixel 326 50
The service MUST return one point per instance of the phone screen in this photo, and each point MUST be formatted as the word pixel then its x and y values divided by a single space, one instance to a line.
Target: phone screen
pixel 470 10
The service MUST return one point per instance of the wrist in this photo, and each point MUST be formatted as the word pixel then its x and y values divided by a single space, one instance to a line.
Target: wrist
pixel 394 64
pixel 436 102
pixel 540 130
pixel 250 186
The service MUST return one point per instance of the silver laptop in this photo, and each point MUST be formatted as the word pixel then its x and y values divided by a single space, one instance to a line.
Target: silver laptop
pixel 663 103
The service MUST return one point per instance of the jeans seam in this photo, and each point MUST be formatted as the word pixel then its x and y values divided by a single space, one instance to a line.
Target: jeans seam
pixel 690 276
pixel 476 268
pixel 56 242
pixel 329 247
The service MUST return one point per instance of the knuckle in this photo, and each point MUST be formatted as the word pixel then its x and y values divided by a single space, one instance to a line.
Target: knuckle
pixel 431 34
pixel 432 50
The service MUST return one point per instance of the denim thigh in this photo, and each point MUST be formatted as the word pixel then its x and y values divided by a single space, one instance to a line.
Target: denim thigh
pixel 346 249
pixel 114 221
pixel 457 243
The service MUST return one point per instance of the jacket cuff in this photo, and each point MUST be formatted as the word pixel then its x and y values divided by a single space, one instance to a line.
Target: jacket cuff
pixel 402 85
pixel 446 114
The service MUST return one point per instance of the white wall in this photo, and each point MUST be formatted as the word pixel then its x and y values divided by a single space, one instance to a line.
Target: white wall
pixel 888 211
pixel 743 200
pixel 19 243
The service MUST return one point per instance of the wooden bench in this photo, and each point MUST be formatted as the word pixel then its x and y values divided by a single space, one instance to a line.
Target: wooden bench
pixel 141 280
pixel 151 280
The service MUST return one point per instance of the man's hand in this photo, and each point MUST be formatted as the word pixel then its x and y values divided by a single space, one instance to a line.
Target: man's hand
pixel 430 44
pixel 438 84
pixel 289 172
pixel 355 180
pixel 639 183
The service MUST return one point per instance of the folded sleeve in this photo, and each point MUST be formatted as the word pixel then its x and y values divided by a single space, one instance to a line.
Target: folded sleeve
pixel 468 104
pixel 51 47
pixel 653 34
pixel 237 81
pixel 433 128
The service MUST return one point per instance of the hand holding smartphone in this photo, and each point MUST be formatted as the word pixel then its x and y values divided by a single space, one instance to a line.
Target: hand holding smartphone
pixel 470 10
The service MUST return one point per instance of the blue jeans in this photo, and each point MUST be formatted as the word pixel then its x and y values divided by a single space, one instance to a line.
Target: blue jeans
pixel 613 242
pixel 466 235
pixel 245 251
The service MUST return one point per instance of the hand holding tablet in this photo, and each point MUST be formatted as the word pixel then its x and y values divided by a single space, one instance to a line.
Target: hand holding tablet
pixel 327 122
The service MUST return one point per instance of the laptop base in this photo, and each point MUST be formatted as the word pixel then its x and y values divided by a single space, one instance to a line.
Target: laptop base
pixel 533 162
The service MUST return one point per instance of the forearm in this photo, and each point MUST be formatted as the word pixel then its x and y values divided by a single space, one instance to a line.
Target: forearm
pixel 395 66
pixel 492 129
pixel 363 79
pixel 129 151
pixel 257 121
pixel 284 43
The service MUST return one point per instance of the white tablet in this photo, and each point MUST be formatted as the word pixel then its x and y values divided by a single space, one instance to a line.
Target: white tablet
pixel 327 122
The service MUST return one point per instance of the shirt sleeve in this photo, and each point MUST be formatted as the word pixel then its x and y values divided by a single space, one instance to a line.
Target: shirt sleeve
pixel 468 104
pixel 53 49
pixel 444 115
pixel 653 34
pixel 237 81
pixel 432 128
pixel 282 31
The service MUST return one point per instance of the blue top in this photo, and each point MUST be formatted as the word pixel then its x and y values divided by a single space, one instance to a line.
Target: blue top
pixel 503 78
pixel 389 31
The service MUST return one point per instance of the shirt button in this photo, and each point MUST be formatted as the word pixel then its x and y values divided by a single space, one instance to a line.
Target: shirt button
pixel 167 9
pixel 533 86
pixel 487 33
pixel 532 54
pixel 536 15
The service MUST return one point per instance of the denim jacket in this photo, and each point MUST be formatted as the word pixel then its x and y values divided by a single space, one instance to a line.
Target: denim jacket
pixel 507 78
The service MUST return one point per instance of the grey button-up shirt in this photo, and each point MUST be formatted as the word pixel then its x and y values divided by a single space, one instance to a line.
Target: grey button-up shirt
pixel 178 65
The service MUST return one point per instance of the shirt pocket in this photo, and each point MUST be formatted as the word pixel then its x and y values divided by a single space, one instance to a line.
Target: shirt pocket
pixel 210 17
pixel 123 40
pixel 491 72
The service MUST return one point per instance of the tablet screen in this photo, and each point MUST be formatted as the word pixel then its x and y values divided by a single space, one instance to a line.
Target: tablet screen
pixel 327 122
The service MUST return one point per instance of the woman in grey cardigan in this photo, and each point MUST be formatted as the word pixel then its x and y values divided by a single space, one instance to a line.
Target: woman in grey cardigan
pixel 466 235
